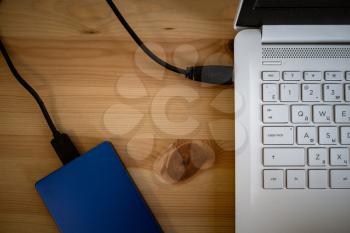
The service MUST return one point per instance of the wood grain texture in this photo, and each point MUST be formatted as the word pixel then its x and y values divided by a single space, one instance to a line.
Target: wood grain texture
pixel 98 86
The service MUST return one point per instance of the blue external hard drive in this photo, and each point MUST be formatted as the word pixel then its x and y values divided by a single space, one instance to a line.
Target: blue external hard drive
pixel 95 194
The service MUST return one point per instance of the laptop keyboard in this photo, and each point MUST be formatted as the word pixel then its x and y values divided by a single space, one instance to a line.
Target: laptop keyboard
pixel 306 129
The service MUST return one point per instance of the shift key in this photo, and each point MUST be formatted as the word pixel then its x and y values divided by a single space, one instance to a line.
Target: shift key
pixel 284 156
pixel 278 135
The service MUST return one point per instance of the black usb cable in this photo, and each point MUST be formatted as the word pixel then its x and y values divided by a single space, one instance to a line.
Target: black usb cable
pixel 214 74
pixel 61 142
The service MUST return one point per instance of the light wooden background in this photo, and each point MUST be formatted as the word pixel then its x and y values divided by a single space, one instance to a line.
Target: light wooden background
pixel 98 86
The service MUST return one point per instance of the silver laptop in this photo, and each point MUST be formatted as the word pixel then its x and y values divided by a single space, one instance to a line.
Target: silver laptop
pixel 292 126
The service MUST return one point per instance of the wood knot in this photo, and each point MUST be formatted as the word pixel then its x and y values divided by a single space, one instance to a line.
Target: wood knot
pixel 90 31
pixel 183 161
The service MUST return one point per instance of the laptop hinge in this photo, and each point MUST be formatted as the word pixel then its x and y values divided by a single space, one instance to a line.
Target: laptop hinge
pixel 305 34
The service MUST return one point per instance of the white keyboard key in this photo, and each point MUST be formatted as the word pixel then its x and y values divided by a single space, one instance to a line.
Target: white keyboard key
pixel 347 92
pixel 317 156
pixel 347 75
pixel 317 179
pixel 289 92
pixel 345 135
pixel 328 135
pixel 296 179
pixel 273 179
pixel 270 92
pixel 311 92
pixel 278 135
pixel 275 113
pixel 291 75
pixel 306 135
pixel 271 75
pixel 312 76
pixel 284 157
pixel 339 156
pixel 333 92
pixel 342 113
pixel 333 75
pixel 301 113
pixel 340 179
pixel 322 113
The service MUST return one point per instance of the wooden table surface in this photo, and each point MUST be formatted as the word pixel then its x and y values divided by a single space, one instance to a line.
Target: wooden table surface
pixel 99 86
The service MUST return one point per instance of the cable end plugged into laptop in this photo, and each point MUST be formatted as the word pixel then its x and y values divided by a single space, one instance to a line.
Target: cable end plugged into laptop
pixel 214 74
